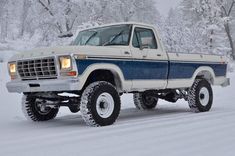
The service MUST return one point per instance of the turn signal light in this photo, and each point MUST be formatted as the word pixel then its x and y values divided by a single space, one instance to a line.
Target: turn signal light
pixel 72 73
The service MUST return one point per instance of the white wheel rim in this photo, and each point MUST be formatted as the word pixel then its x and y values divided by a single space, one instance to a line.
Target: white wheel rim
pixel 105 105
pixel 204 96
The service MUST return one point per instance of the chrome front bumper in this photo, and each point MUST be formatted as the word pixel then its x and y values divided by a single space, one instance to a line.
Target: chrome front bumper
pixel 43 85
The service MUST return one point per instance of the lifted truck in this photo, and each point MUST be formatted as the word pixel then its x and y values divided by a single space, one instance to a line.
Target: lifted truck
pixel 105 62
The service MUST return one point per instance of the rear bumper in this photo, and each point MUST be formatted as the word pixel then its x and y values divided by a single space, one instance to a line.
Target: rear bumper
pixel 43 85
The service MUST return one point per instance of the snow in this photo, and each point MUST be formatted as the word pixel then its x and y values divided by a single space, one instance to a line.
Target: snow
pixel 165 6
pixel 170 130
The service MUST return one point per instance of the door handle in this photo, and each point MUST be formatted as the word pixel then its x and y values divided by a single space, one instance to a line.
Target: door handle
pixel 145 53
pixel 127 53
pixel 159 55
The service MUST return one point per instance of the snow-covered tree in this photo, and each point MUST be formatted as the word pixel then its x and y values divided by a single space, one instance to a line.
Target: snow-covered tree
pixel 173 31
pixel 47 22
pixel 212 17
pixel 180 35
pixel 63 13
pixel 227 8
pixel 3 20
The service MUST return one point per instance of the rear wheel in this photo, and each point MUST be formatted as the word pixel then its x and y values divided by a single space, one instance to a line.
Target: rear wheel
pixel 144 101
pixel 35 110
pixel 100 104
pixel 200 96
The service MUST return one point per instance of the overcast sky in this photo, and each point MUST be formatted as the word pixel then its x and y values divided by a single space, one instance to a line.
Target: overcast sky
pixel 165 5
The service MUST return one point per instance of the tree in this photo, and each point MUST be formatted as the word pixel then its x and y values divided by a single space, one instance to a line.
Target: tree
pixel 174 32
pixel 197 13
pixel 62 13
pixel 227 11
pixel 23 17
pixel 47 22
pixel 214 18
pixel 3 20
pixel 180 36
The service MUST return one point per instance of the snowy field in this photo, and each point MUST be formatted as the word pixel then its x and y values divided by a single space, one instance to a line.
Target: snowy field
pixel 170 130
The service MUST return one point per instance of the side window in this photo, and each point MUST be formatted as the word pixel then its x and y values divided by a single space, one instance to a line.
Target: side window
pixel 144 36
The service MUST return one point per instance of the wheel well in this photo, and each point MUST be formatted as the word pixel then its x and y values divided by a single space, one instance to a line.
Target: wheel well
pixel 104 75
pixel 206 75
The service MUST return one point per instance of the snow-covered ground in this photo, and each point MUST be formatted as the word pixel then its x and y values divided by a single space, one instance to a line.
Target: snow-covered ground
pixel 170 130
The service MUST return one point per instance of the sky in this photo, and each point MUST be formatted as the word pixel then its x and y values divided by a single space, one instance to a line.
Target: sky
pixel 165 5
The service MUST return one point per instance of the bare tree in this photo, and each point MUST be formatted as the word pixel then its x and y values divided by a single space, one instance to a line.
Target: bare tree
pixel 66 26
pixel 227 8
pixel 25 10
pixel 3 20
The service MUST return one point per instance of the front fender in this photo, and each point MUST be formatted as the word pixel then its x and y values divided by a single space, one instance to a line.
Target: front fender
pixel 104 66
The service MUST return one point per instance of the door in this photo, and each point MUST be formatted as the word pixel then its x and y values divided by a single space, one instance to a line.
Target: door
pixel 150 61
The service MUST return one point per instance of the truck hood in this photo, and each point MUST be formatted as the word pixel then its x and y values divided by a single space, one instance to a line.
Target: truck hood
pixel 98 51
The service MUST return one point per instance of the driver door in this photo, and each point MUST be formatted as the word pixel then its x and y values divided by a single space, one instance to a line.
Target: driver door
pixel 150 60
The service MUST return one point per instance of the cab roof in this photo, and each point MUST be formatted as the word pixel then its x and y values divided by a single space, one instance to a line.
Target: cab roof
pixel 122 23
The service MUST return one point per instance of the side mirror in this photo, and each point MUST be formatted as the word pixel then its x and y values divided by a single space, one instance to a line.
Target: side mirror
pixel 146 42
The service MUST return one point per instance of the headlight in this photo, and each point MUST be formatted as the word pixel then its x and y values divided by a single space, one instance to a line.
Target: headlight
pixel 65 63
pixel 12 68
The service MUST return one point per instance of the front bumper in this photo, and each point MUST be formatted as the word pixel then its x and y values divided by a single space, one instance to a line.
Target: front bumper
pixel 43 86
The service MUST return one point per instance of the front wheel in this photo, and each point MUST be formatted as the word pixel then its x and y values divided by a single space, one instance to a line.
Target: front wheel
pixel 34 109
pixel 100 104
pixel 200 96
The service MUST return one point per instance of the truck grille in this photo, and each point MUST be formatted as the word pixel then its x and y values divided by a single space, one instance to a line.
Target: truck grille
pixel 44 68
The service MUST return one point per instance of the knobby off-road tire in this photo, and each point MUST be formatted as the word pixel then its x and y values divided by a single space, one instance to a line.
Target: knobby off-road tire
pixel 33 112
pixel 144 102
pixel 200 96
pixel 100 104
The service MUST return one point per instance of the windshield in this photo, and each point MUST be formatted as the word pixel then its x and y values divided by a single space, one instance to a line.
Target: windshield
pixel 104 36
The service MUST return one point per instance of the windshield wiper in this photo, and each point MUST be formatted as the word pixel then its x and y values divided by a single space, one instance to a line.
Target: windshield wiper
pixel 92 36
pixel 114 38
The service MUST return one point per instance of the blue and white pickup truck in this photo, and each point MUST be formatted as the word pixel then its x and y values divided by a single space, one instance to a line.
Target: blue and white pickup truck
pixel 105 62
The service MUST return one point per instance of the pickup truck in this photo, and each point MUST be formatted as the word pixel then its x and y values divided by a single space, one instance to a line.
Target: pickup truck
pixel 105 62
